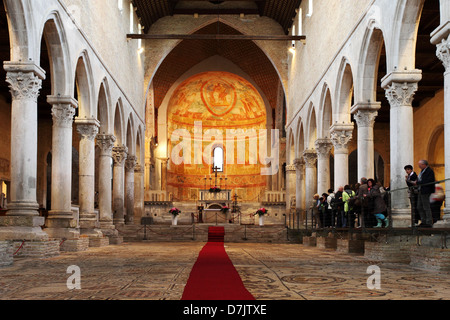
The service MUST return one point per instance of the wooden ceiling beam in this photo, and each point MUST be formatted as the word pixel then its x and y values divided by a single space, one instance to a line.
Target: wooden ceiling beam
pixel 215 37
pixel 231 11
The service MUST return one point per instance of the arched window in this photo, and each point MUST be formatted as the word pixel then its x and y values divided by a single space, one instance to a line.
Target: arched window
pixel 218 158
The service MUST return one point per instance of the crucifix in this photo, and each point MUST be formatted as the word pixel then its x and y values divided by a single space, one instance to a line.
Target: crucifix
pixel 216 170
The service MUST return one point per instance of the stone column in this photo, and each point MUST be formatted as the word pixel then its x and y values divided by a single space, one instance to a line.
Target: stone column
pixel 300 183
pixel 310 157
pixel 164 162
pixel 88 130
pixel 22 221
pixel 119 157
pixel 290 185
pixel 105 143
pixel 400 89
pixel 139 174
pixel 441 38
pixel 341 135
pixel 365 115
pixel 323 147
pixel 61 223
pixel 130 165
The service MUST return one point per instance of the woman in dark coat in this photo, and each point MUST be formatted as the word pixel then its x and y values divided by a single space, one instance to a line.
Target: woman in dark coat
pixel 377 203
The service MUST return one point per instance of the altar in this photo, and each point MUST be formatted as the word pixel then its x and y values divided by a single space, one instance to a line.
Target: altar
pixel 216 216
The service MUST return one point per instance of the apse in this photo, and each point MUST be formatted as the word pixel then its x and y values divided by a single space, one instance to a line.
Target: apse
pixel 216 119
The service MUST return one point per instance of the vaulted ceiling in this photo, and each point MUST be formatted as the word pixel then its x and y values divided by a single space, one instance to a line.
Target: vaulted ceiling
pixel 282 11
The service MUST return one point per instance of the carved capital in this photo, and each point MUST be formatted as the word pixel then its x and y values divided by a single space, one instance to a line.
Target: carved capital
pixel 401 93
pixel 24 79
pixel 323 148
pixel 88 129
pixel 290 168
pixel 365 118
pixel 341 135
pixel 63 110
pixel 443 53
pixel 299 164
pixel 310 157
pixel 139 169
pixel 106 143
pixel 119 155
pixel 24 85
pixel 130 163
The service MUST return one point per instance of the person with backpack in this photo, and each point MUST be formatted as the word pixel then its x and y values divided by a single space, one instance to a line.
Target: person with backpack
pixel 348 197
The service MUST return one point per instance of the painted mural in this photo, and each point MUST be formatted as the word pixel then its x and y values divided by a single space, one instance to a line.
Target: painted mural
pixel 215 107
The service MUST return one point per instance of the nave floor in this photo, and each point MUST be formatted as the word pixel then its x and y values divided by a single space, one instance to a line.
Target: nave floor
pixel 159 271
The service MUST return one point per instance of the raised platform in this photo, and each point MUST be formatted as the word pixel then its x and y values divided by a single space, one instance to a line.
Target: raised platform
pixel 199 232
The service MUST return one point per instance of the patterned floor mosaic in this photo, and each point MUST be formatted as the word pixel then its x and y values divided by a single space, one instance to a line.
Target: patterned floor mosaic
pixel 159 271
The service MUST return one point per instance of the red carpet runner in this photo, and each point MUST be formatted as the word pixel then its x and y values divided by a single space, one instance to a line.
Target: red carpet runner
pixel 213 276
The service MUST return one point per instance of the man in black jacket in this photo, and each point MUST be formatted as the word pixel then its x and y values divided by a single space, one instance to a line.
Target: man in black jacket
pixel 411 181
pixel 426 183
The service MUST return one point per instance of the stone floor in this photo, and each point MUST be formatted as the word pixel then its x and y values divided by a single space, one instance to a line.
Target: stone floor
pixel 159 271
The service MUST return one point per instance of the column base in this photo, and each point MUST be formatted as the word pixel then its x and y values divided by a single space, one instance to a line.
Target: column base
pixel 401 218
pixel 26 228
pixel 63 233
pixel 445 223
pixel 75 245
pixel 23 209
pixel 61 220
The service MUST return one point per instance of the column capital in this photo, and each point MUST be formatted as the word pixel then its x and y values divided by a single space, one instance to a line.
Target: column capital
pixel 24 79
pixel 139 169
pixel 63 110
pixel 341 135
pixel 401 86
pixel 310 157
pixel 443 53
pixel 299 164
pixel 87 128
pixel 365 118
pixel 130 163
pixel 106 143
pixel 323 148
pixel 290 168
pixel 119 155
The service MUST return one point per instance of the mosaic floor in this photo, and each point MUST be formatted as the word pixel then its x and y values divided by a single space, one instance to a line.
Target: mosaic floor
pixel 159 271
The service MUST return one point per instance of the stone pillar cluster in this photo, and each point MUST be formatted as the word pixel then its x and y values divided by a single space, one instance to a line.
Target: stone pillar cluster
pixel 23 220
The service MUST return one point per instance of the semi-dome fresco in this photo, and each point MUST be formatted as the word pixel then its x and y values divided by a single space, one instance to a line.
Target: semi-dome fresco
pixel 218 103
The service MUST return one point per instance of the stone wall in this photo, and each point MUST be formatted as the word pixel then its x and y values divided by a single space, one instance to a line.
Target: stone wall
pixel 6 253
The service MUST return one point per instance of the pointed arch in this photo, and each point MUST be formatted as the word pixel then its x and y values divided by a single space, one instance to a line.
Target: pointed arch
pixel 407 17
pixel 56 41
pixel 130 139
pixel 20 28
pixel 290 147
pixel 84 84
pixel 371 50
pixel 312 127
pixel 300 139
pixel 140 147
pixel 118 123
pixel 325 113
pixel 344 93
pixel 104 107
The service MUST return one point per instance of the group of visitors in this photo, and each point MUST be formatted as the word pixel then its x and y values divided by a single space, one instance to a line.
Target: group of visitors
pixel 352 206
pixel 366 203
